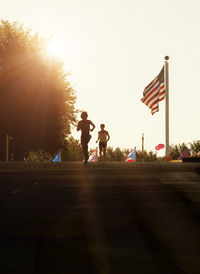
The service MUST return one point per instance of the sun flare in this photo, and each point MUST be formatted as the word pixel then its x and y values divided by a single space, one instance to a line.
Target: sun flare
pixel 54 48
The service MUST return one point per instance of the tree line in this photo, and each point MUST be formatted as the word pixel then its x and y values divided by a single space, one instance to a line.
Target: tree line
pixel 73 152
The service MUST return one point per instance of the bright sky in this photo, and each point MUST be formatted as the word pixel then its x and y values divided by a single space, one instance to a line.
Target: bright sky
pixel 114 48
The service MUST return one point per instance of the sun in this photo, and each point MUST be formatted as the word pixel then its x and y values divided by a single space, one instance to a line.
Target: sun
pixel 55 49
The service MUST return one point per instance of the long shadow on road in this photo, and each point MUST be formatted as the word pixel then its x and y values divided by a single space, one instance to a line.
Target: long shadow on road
pixel 101 221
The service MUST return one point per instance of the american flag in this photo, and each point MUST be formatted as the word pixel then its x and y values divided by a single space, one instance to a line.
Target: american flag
pixel 154 92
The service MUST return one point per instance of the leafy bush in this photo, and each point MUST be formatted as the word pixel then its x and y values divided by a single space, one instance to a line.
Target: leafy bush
pixel 38 156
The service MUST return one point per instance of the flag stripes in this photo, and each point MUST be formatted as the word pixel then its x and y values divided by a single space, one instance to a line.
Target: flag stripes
pixel 154 92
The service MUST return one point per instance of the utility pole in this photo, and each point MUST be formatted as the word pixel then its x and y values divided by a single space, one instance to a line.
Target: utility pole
pixel 142 147
pixel 7 147
pixel 8 138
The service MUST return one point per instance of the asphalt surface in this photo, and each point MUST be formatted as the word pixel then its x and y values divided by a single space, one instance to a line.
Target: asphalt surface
pixel 100 219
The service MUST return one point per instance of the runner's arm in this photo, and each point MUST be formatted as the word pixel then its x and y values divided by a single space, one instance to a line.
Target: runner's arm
pixel 108 137
pixel 78 127
pixel 93 126
pixel 98 138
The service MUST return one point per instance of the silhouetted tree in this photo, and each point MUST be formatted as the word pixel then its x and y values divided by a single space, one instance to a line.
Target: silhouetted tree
pixel 176 150
pixel 121 155
pixel 38 156
pixel 72 150
pixel 195 147
pixel 115 154
pixel 36 100
pixel 146 156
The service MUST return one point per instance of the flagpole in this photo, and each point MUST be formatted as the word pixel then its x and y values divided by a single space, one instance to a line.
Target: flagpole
pixel 166 77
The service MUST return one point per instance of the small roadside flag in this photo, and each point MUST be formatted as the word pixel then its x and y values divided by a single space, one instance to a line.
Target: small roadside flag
pixel 93 157
pixel 57 158
pixel 154 92
pixel 131 156
pixel 185 153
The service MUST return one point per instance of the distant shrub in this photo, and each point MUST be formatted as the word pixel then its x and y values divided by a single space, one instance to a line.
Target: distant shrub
pixel 38 156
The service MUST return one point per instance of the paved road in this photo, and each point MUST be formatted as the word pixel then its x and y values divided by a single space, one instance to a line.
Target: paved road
pixel 100 219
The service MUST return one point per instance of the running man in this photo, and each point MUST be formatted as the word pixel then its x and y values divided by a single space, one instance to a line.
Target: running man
pixel 103 138
pixel 84 126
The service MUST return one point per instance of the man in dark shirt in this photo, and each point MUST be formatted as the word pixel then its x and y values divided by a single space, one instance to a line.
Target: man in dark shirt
pixel 84 126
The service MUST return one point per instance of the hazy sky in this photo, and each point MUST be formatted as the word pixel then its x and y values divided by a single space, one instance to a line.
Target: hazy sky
pixel 114 48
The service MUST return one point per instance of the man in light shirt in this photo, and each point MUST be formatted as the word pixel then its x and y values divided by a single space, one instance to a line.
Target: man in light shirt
pixel 103 138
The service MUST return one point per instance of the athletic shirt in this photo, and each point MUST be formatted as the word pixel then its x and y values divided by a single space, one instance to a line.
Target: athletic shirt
pixel 84 126
pixel 103 135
